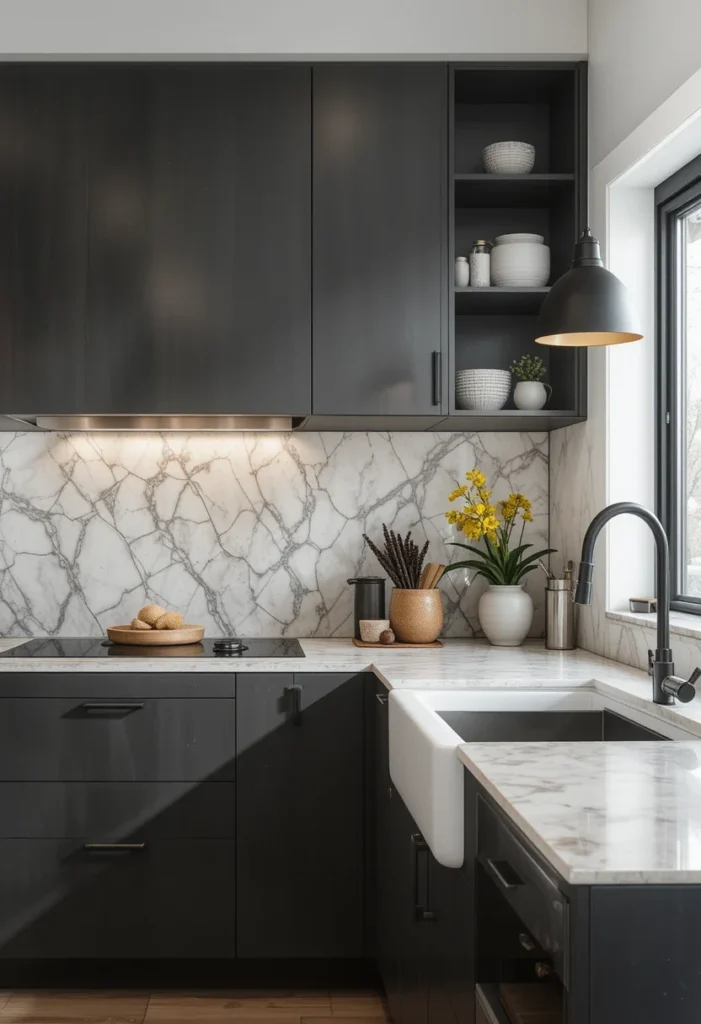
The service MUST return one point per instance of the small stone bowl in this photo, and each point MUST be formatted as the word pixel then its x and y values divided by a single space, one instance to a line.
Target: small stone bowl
pixel 370 630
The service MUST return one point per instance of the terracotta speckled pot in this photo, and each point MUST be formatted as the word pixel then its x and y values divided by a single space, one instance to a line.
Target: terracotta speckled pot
pixel 416 616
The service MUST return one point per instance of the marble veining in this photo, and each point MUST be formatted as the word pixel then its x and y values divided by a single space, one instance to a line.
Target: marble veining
pixel 606 813
pixel 253 534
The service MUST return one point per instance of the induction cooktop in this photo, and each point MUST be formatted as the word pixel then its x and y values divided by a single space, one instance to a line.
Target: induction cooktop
pixel 94 647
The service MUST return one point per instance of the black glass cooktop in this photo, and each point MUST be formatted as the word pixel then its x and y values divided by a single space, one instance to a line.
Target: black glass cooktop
pixel 94 647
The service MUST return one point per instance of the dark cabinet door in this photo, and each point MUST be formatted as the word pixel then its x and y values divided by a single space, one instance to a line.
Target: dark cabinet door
pixel 380 249
pixel 387 889
pixel 43 238
pixel 200 240
pixel 451 988
pixel 300 807
pixel 400 881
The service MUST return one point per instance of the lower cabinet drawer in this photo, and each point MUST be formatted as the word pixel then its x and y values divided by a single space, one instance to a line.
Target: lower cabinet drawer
pixel 167 898
pixel 117 810
pixel 107 739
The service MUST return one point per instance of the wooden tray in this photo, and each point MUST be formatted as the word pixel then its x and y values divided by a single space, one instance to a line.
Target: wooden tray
pixel 389 647
pixel 155 637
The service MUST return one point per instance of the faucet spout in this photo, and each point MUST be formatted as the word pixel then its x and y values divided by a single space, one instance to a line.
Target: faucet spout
pixel 583 594
pixel 665 685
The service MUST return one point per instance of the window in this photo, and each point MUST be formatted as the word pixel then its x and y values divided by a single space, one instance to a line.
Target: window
pixel 679 378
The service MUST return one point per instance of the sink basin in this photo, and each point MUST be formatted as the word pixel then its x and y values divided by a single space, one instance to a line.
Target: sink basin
pixel 426 726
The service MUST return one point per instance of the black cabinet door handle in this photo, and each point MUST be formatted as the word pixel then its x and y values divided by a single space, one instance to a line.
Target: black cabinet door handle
pixel 436 366
pixel 294 695
pixel 114 847
pixel 107 707
pixel 381 698
pixel 422 885
pixel 504 874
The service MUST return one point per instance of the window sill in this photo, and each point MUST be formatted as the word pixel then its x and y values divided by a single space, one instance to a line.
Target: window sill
pixel 680 623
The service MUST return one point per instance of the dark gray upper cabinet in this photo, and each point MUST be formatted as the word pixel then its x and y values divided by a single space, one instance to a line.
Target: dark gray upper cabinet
pixel 380 239
pixel 200 240
pixel 43 238
pixel 300 808
pixel 155 239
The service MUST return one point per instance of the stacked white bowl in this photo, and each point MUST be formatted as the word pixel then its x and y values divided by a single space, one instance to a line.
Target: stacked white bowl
pixel 482 389
pixel 509 158
pixel 520 261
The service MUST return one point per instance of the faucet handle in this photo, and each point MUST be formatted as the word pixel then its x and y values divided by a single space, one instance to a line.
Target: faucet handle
pixel 682 689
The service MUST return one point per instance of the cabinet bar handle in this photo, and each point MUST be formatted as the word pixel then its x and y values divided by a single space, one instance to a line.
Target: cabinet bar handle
pixel 381 698
pixel 106 706
pixel 112 847
pixel 500 869
pixel 421 911
pixel 436 365
pixel 294 692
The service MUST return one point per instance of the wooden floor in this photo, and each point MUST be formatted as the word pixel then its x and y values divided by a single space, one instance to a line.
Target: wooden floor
pixel 234 1007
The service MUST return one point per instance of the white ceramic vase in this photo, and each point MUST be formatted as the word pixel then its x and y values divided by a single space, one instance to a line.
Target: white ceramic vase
pixel 505 615
pixel 531 394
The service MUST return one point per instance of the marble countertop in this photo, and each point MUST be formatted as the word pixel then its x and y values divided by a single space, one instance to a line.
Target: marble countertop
pixel 601 813
pixel 459 663
pixel 598 812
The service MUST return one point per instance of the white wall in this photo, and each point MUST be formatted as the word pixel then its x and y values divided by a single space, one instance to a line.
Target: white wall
pixel 293 28
pixel 642 129
pixel 640 51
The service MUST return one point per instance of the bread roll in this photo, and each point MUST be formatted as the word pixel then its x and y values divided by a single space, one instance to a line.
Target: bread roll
pixel 169 620
pixel 138 624
pixel 151 614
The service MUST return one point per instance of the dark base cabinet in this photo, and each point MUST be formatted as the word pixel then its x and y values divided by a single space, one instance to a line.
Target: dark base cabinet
pixel 598 954
pixel 300 815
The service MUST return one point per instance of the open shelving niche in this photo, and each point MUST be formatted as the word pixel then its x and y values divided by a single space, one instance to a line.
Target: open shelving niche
pixel 543 104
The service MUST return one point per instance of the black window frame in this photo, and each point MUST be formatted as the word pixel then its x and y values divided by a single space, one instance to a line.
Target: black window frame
pixel 674 197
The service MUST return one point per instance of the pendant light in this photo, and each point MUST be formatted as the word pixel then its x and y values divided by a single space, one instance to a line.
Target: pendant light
pixel 588 305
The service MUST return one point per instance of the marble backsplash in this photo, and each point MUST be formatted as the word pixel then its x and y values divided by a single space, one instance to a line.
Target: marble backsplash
pixel 254 534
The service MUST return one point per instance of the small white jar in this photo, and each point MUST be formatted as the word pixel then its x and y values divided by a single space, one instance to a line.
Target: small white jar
pixel 462 272
pixel 480 264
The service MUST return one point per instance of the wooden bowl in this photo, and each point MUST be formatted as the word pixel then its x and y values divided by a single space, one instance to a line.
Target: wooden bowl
pixel 155 637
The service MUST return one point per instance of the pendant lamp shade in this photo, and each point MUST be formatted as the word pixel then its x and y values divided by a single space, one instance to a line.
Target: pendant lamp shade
pixel 588 305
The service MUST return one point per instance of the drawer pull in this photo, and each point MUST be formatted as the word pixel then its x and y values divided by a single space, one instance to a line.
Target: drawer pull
pixel 107 707
pixel 504 874
pixel 526 942
pixel 114 847
pixel 381 698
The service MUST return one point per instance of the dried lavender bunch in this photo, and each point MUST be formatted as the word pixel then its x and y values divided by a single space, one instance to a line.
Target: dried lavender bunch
pixel 402 559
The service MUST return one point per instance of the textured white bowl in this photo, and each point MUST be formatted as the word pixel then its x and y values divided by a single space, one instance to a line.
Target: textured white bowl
pixel 482 389
pixel 370 629
pixel 520 265
pixel 509 158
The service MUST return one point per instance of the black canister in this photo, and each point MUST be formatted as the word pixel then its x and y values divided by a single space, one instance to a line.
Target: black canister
pixel 369 599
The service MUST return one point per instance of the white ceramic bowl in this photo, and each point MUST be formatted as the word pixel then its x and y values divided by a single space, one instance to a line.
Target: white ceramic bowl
pixel 509 158
pixel 522 236
pixel 520 265
pixel 482 389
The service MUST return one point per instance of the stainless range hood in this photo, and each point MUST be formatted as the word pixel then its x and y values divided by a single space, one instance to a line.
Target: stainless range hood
pixel 96 424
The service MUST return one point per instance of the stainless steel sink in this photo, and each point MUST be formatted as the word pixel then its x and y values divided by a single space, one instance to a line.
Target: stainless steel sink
pixel 545 726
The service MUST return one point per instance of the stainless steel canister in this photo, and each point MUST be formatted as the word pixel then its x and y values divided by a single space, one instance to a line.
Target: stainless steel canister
pixel 559 615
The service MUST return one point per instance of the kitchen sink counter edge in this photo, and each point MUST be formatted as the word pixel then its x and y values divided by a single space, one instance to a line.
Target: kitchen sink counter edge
pixel 624 813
